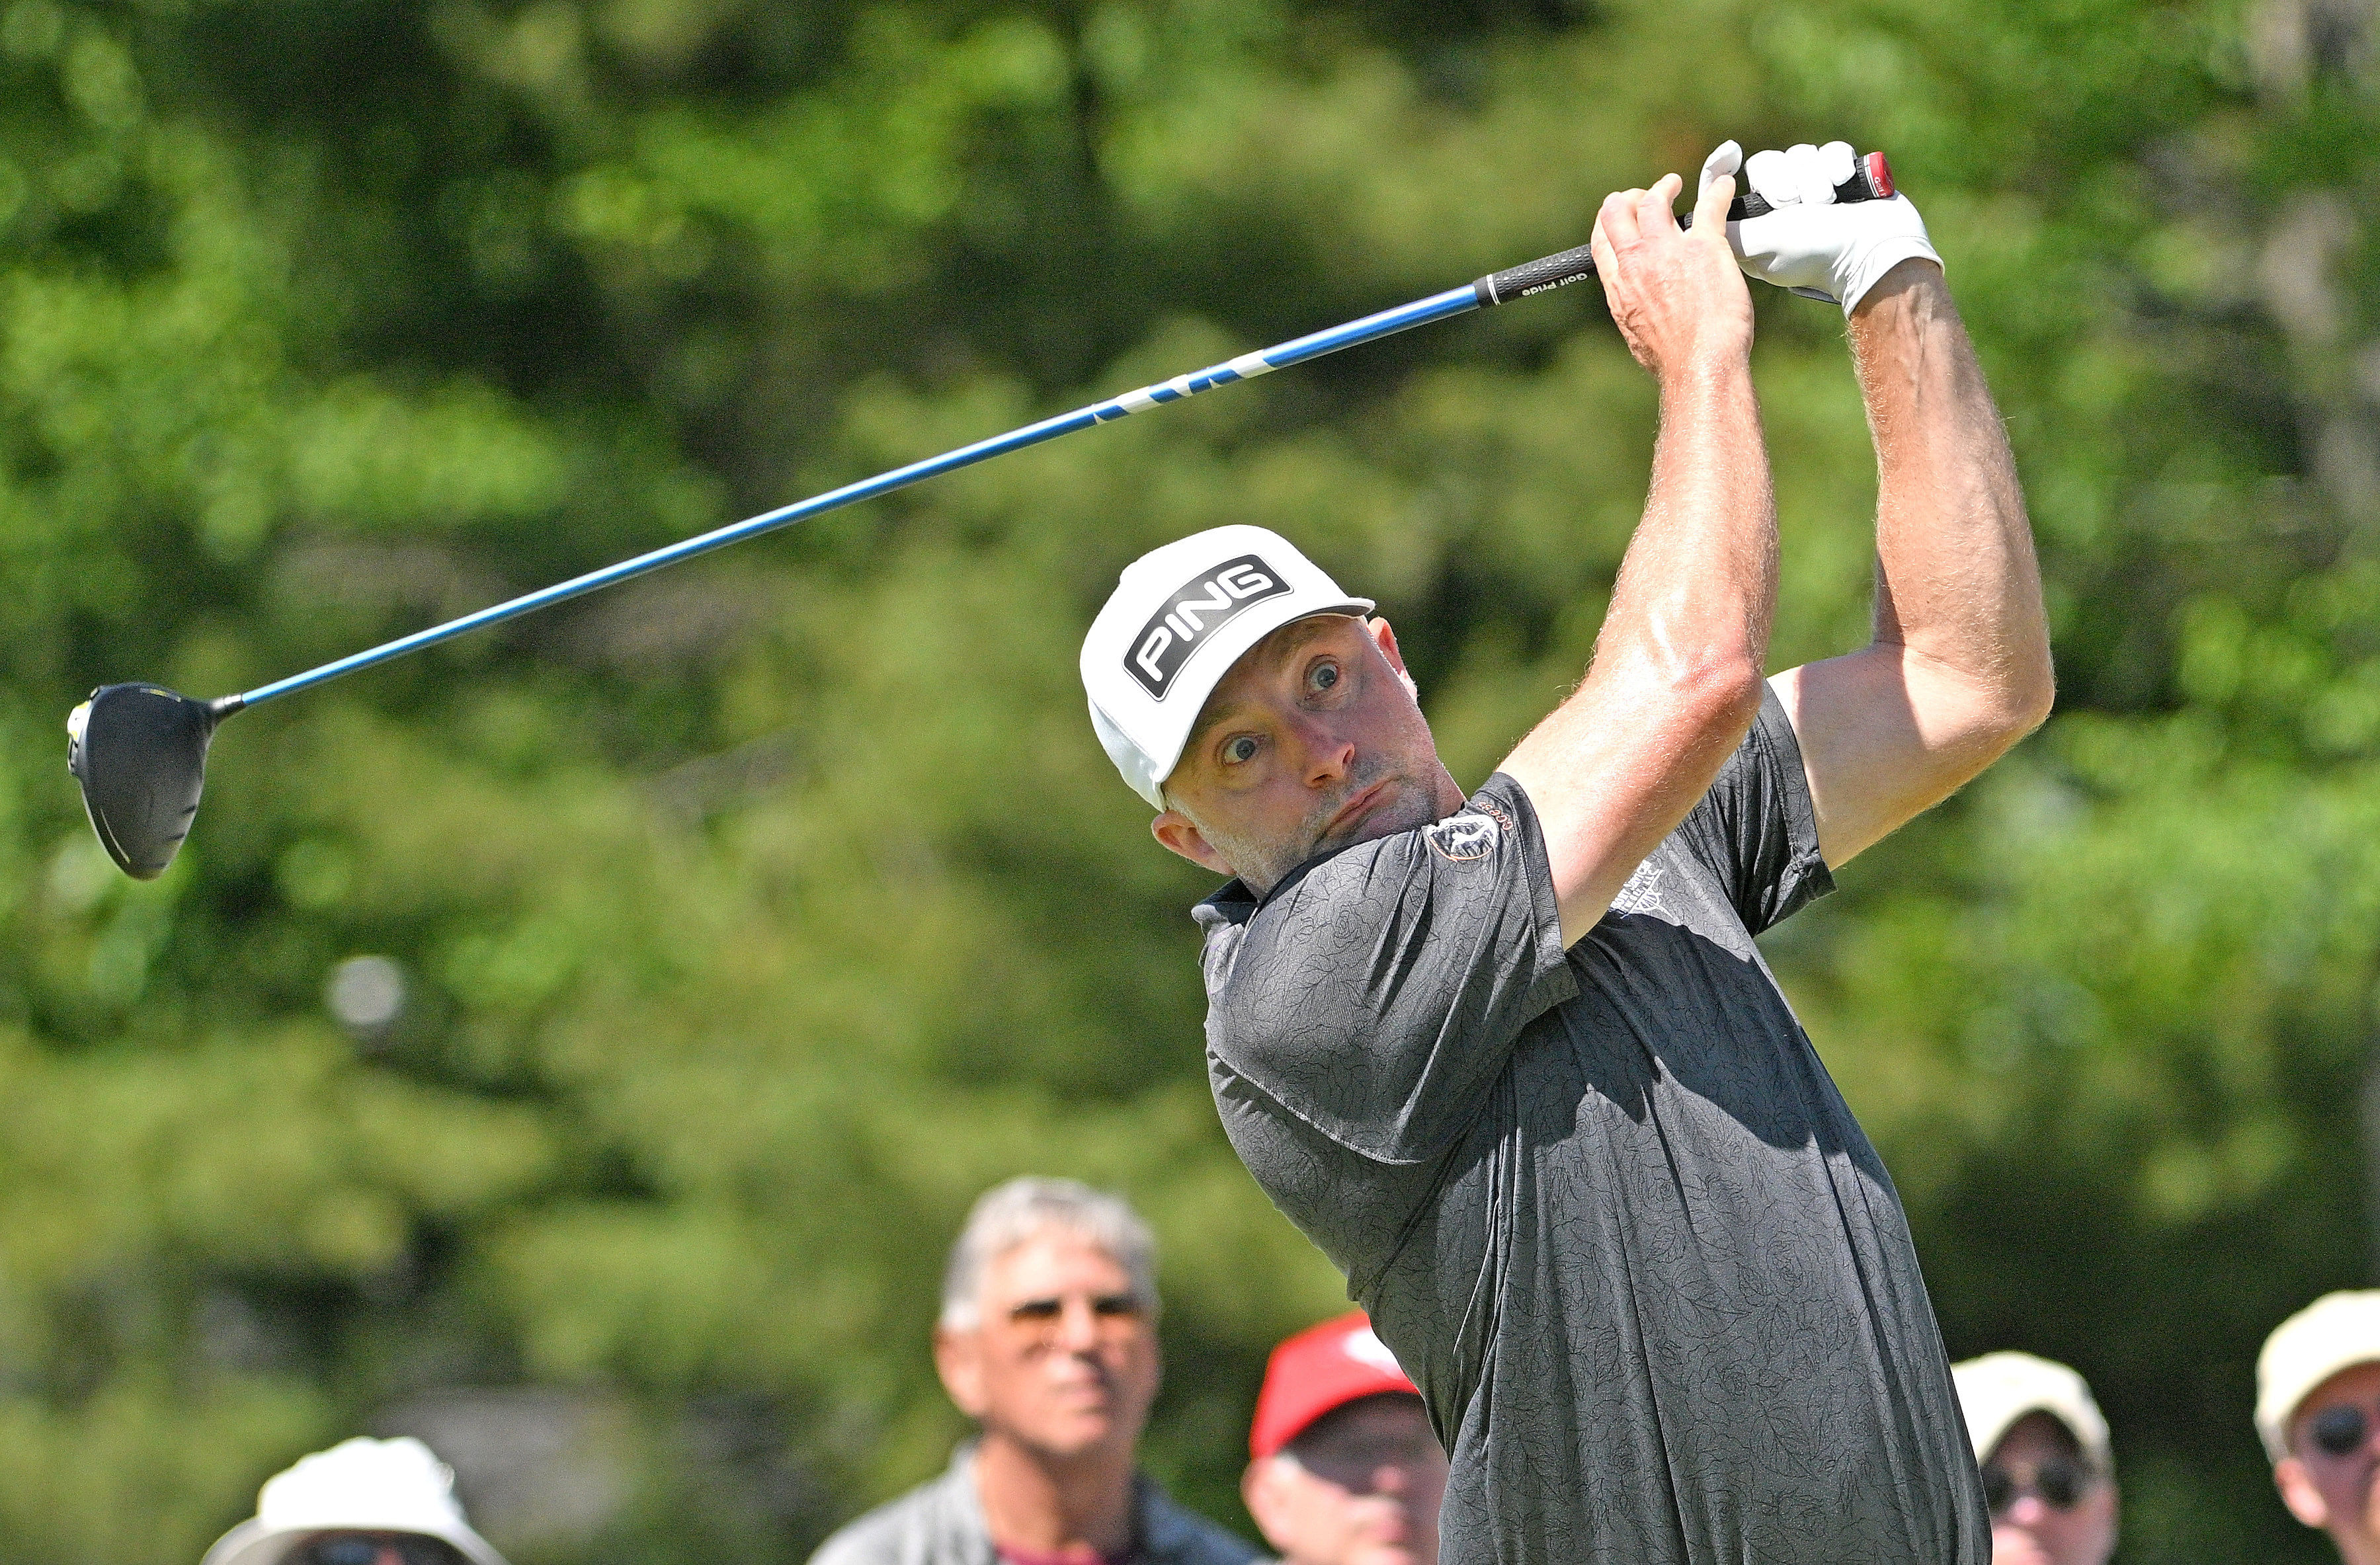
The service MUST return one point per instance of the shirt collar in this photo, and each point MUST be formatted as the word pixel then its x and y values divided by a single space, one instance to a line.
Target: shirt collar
pixel 1232 903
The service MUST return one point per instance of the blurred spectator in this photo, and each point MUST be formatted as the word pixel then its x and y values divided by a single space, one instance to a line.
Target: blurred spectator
pixel 362 1503
pixel 1047 1341
pixel 1346 1471
pixel 2318 1410
pixel 2049 1472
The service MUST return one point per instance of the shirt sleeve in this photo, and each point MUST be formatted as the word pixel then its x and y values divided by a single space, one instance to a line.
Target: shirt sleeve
pixel 1377 994
pixel 1757 829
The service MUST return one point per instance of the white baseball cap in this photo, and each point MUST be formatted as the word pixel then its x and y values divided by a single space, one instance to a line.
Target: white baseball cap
pixel 1999 1389
pixel 2337 1331
pixel 1178 619
pixel 362 1485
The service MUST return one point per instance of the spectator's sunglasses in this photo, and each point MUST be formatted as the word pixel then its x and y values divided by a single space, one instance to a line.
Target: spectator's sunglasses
pixel 2060 1481
pixel 2339 1431
pixel 367 1548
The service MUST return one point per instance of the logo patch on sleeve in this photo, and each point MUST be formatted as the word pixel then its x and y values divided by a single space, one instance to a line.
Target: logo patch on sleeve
pixel 1459 839
pixel 1191 617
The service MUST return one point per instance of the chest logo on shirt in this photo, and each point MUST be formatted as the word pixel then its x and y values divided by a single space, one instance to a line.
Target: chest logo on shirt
pixel 1458 839
pixel 1191 617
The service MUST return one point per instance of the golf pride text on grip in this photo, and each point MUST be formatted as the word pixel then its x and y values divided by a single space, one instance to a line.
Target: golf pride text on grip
pixel 1872 181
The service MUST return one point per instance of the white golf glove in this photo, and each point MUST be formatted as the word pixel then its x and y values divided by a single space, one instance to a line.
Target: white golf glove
pixel 1811 243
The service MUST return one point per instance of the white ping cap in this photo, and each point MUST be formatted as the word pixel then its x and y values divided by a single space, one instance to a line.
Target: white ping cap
pixel 362 1485
pixel 1999 1388
pixel 2337 1331
pixel 1178 619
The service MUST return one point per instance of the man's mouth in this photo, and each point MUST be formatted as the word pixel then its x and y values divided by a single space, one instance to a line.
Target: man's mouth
pixel 1084 1388
pixel 1351 813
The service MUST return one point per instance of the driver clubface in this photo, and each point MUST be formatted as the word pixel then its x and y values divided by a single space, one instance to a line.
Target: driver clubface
pixel 139 752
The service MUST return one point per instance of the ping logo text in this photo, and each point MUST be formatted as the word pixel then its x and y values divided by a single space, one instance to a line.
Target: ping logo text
pixel 1192 616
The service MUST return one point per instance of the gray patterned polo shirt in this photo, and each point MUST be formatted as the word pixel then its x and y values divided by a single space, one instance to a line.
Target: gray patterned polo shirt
pixel 1604 1204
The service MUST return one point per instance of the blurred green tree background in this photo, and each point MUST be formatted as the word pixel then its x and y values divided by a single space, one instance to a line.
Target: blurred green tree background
pixel 721 936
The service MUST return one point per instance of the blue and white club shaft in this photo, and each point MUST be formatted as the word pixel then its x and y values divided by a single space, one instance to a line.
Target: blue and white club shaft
pixel 1872 181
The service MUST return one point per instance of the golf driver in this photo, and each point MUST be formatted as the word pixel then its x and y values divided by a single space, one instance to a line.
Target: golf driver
pixel 139 751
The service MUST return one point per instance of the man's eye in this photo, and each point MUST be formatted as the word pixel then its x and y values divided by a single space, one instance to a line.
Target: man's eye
pixel 1240 750
pixel 1036 1309
pixel 1324 676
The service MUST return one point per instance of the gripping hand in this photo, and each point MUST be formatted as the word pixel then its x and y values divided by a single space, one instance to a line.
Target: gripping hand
pixel 1811 243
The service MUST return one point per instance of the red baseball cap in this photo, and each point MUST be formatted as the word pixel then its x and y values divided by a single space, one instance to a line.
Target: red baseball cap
pixel 1320 1370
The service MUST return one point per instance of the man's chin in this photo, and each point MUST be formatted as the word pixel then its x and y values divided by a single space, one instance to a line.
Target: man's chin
pixel 1064 1439
pixel 1385 1554
pixel 2011 1547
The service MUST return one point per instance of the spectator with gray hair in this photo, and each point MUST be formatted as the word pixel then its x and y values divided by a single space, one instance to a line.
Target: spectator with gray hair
pixel 1048 1339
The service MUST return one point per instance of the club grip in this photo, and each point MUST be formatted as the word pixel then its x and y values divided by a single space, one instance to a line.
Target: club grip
pixel 1870 181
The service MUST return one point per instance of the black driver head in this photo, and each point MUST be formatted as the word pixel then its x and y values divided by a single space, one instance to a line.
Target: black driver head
pixel 139 752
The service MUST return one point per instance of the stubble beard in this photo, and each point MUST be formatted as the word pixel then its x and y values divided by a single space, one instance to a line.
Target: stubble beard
pixel 1408 802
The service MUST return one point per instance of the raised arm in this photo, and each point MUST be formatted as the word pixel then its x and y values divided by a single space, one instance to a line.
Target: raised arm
pixel 1959 670
pixel 1675 679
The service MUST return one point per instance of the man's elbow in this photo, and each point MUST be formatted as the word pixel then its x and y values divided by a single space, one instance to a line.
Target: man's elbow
pixel 2029 693
pixel 1720 692
pixel 2015 704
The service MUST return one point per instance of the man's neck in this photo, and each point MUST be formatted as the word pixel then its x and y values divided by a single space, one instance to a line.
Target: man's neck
pixel 2356 1550
pixel 1049 1504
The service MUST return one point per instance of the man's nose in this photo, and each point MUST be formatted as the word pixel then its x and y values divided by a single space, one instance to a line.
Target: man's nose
pixel 1328 754
pixel 2028 1511
pixel 1078 1325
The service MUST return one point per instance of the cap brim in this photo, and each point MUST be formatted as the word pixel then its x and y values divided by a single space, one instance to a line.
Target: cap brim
pixel 2273 1425
pixel 253 1543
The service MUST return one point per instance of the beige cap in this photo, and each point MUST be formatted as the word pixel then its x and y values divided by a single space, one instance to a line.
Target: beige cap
pixel 1999 1389
pixel 358 1485
pixel 2337 1331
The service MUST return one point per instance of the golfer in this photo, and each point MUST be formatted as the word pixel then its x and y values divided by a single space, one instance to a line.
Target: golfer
pixel 1513 1062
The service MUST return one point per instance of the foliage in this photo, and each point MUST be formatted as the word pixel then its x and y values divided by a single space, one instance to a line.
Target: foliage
pixel 756 917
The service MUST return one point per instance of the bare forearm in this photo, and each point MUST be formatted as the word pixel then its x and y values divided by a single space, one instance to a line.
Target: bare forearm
pixel 1698 587
pixel 1959 670
pixel 1958 583
pixel 1676 675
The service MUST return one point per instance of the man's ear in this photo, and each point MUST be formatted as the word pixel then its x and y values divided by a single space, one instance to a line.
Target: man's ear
pixel 1181 835
pixel 1384 638
pixel 1263 1490
pixel 2297 1492
pixel 958 1359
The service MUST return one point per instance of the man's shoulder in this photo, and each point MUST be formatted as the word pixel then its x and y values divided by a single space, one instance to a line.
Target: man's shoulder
pixel 1334 900
pixel 1174 1535
pixel 921 1527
